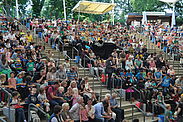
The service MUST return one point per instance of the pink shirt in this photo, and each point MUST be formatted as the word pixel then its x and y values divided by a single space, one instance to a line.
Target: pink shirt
pixel 84 114
pixel 12 82
pixel 74 100
pixel 152 64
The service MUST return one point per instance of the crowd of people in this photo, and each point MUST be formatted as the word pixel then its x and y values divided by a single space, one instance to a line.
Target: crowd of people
pixel 167 38
pixel 58 89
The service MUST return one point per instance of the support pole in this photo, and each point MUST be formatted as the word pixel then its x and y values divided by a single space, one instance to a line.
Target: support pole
pixel 113 13
pixel 173 16
pixel 65 16
pixel 17 14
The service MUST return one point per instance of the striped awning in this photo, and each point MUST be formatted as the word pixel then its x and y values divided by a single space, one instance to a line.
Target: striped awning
pixel 93 7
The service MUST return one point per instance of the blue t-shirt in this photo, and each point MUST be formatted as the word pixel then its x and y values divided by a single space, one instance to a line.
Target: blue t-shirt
pixel 19 80
pixel 129 74
pixel 166 82
pixel 122 74
pixel 158 74
pixel 139 76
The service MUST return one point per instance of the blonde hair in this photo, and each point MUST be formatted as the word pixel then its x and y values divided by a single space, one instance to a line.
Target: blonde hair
pixel 75 90
pixel 64 105
pixel 167 106
pixel 61 88
pixel 72 83
pixel 114 94
pixel 2 77
pixel 107 95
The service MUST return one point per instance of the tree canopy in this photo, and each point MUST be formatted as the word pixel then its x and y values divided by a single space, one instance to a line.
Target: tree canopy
pixel 54 8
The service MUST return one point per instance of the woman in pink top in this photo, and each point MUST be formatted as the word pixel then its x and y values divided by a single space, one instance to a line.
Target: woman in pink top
pixel 83 113
pixel 152 64
pixel 12 81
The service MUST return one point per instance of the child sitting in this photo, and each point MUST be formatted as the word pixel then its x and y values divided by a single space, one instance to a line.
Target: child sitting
pixel 43 99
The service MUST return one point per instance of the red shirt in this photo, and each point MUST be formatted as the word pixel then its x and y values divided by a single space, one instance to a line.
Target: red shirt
pixel 51 89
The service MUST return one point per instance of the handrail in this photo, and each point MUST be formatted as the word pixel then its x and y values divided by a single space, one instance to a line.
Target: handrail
pixel 137 91
pixel 85 56
pixel 69 58
pixel 94 76
pixel 9 97
pixel 29 108
pixel 113 89
pixel 119 96
pixel 164 108
pixel 1 119
pixel 74 49
pixel 62 44
pixel 144 113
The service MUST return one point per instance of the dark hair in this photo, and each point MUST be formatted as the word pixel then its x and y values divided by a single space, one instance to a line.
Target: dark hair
pixel 15 93
pixel 28 78
pixel 57 109
pixel 12 73
pixel 56 83
pixel 41 90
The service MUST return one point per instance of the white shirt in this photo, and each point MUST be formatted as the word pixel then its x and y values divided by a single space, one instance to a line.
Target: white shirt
pixel 12 36
pixel 5 37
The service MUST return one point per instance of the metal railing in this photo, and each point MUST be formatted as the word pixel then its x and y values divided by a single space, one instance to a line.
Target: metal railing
pixel 2 120
pixel 138 92
pixel 84 62
pixel 67 56
pixel 77 51
pixel 9 99
pixel 143 112
pixel 101 85
pixel 39 109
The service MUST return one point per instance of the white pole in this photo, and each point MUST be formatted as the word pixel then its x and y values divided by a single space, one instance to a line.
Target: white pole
pixel 17 9
pixel 173 16
pixel 65 16
pixel 113 13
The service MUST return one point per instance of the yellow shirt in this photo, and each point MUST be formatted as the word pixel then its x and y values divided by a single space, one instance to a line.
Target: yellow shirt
pixel 29 38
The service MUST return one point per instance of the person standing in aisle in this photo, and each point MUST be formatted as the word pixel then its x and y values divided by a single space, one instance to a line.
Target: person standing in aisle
pixel 110 68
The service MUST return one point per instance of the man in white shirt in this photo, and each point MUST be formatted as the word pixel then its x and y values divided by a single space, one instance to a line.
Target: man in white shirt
pixel 74 111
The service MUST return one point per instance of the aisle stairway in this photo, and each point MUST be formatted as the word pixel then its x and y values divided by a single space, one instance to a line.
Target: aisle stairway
pixel 95 84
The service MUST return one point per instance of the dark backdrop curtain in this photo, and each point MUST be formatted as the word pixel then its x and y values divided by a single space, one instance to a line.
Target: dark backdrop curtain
pixel 104 51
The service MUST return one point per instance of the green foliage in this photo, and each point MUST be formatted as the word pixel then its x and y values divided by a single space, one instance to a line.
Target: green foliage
pixel 179 21
pixel 55 8
pixel 37 7
pixel 146 5
pixel 179 7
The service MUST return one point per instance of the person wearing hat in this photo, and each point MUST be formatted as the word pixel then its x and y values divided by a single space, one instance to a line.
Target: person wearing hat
pixel 110 68
pixel 18 66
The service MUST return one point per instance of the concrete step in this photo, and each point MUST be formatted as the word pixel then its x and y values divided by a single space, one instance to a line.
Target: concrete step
pixel 83 75
pixel 129 110
pixel 135 115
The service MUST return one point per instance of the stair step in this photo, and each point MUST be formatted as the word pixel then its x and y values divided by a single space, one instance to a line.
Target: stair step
pixel 135 115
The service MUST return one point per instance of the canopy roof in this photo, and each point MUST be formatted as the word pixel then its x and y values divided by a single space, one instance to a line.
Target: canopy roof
pixel 93 7
pixel 169 1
